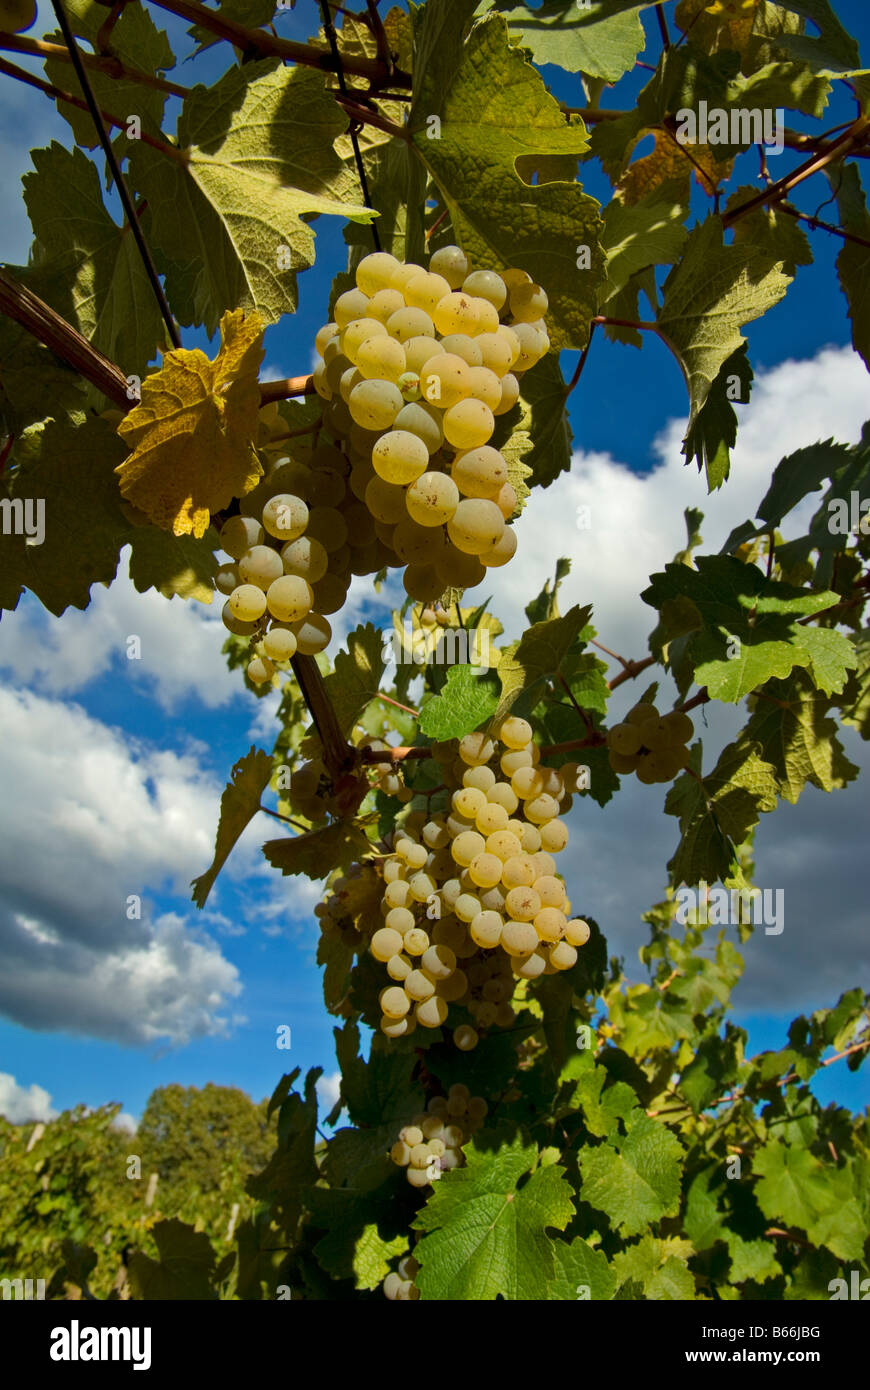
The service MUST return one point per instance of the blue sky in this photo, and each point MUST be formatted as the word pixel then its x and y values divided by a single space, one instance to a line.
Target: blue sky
pixel 115 768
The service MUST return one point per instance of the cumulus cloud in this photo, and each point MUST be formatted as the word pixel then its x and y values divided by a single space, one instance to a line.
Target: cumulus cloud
pixel 180 641
pixel 90 818
pixel 615 863
pixel 22 1105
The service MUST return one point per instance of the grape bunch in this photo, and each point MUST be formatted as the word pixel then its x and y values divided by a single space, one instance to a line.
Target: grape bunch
pixel 414 370
pixel 269 581
pixel 399 1284
pixel 432 1143
pixel 477 884
pixel 650 744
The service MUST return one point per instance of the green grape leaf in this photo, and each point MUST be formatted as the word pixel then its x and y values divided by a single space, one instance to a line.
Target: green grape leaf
pixel 713 434
pixel 543 393
pixel 356 675
pixel 659 1266
pixel 833 52
pixel 258 162
pixel 317 852
pixel 775 233
pixel 379 1091
pixel 546 605
pixel 601 1112
pixel 486 1231
pixel 182 565
pixel 789 85
pixel 468 699
pixel 73 467
pixel 34 384
pixel 497 217
pixel 797 737
pixel 855 703
pixel 747 626
pixel 240 802
pixel 799 1189
pixel 439 29
pixel 184 1269
pixel 537 655
pixel 799 474
pixel 853 262
pixel 579 38
pixel 581 1272
pixel 708 297
pixel 372 1255
pixel 713 1065
pixel 86 266
pixel 137 41
pixel 751 1259
pixel 717 813
pixel 254 14
pixel 638 235
pixel 636 1182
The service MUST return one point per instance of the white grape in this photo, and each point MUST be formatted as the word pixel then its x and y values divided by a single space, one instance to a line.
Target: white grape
pixel 313 634
pixel 452 263
pixel 375 272
pixel 289 598
pixel 400 457
pixel 247 602
pixel 285 517
pixel 375 404
pixel 468 424
pixel 260 565
pixel 305 557
pixel 238 534
pixel 432 499
pixel 486 284
pixel 279 644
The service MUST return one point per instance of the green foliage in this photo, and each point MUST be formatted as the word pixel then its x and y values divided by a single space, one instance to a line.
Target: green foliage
pixel 631 1149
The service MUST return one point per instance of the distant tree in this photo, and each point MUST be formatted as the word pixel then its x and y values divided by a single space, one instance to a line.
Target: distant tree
pixel 201 1141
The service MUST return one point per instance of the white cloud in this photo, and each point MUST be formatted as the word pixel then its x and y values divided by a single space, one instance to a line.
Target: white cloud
pixel 89 818
pixel 181 645
pixel 328 1089
pixel 128 1123
pixel 615 864
pixel 24 1104
pixel 637 519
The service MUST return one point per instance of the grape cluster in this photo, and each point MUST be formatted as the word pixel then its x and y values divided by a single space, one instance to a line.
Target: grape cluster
pixel 650 744
pixel 274 564
pixel 477 884
pixel 414 370
pixel 432 1143
pixel 399 1284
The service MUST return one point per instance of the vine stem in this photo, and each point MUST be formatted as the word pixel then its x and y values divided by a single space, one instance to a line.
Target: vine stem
pixel 855 134
pixel 58 94
pixel 288 820
pixel 581 361
pixel 338 756
pixel 626 323
pixel 66 342
pixel 393 755
pixel 284 390
pixel 632 669
pixel 117 177
pixel 783 1081
pixel 406 708
pixel 818 225
pixel 99 62
pixel 265 45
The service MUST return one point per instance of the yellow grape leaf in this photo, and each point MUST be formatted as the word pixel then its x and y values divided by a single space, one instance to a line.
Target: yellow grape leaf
pixel 192 432
pixel 667 161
